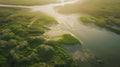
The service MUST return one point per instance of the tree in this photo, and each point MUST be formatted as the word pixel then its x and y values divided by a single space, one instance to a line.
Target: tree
pixel 3 61
pixel 45 52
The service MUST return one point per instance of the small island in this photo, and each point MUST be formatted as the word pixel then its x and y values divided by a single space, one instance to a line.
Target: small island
pixel 68 39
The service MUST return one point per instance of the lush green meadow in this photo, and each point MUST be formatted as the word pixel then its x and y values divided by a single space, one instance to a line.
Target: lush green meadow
pixel 105 14
pixel 22 43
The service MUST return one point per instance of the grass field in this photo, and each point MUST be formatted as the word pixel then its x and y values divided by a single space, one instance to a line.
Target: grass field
pixel 27 2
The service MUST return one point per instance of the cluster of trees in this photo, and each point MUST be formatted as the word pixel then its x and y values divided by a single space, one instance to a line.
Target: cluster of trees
pixel 23 46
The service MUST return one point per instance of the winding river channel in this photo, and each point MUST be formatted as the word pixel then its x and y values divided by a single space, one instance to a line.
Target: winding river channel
pixel 100 47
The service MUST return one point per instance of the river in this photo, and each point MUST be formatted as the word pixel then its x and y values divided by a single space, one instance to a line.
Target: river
pixel 100 47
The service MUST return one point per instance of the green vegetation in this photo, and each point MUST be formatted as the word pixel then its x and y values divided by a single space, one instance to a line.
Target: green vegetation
pixel 22 43
pixel 68 39
pixel 27 2
pixel 105 14
pixel 109 23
